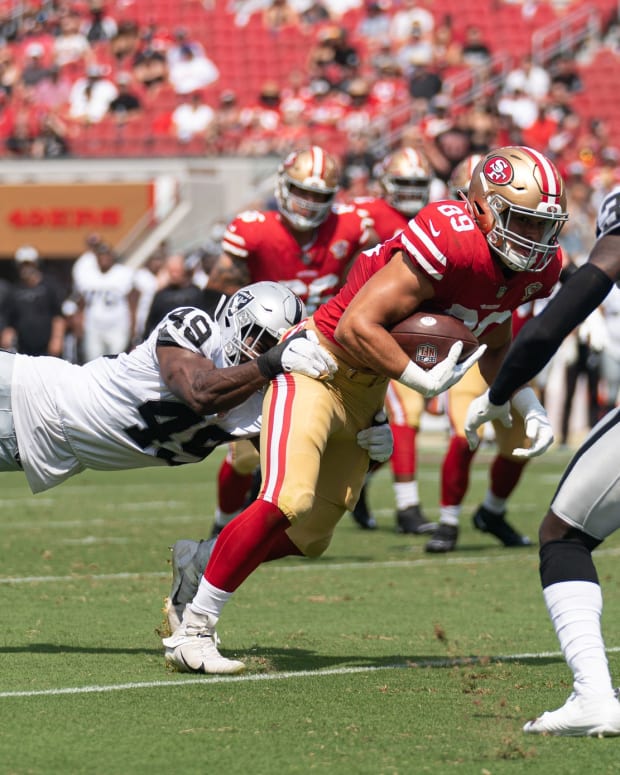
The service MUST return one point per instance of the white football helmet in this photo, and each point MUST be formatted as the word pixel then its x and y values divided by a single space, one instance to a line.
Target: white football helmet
pixel 307 184
pixel 254 318
pixel 518 200
pixel 461 175
pixel 405 177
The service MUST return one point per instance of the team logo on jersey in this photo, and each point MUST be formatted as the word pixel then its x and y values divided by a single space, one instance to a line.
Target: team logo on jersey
pixel 499 171
pixel 531 289
pixel 426 353
pixel 339 249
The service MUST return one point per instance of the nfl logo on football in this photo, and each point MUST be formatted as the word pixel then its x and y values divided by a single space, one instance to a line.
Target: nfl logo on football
pixel 426 353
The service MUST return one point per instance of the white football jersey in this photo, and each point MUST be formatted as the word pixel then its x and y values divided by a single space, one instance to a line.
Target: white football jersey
pixel 105 295
pixel 116 412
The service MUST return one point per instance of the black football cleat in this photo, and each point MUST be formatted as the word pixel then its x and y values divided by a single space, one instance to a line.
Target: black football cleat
pixel 412 520
pixel 361 513
pixel 495 524
pixel 443 539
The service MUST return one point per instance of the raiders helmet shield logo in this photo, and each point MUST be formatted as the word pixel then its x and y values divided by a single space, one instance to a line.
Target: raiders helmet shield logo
pixel 498 170
pixel 426 353
pixel 240 300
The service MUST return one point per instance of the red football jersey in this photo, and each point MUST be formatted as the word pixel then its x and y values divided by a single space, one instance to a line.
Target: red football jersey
pixel 315 273
pixel 444 243
pixel 387 221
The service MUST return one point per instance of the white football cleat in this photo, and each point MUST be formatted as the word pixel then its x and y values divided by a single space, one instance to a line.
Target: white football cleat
pixel 192 648
pixel 579 717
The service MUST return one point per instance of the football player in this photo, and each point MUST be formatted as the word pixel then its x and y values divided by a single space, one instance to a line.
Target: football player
pixel 405 177
pixel 307 244
pixel 477 260
pixel 193 384
pixel 586 506
pixel 505 470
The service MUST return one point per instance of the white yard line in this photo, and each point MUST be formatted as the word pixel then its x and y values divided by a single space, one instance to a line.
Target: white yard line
pixel 303 566
pixel 216 679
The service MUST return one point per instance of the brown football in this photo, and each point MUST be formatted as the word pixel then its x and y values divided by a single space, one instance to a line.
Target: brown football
pixel 427 337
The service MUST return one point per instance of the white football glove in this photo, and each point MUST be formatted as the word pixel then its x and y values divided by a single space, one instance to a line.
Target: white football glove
pixel 304 355
pixel 377 439
pixel 481 410
pixel 537 425
pixel 442 376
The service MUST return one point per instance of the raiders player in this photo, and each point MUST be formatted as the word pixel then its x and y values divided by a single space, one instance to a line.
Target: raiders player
pixel 193 384
pixel 586 506
pixel 307 244
pixel 477 260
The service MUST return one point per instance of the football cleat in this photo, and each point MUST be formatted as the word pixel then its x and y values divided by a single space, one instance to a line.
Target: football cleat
pixel 189 560
pixel 443 539
pixel 495 524
pixel 579 717
pixel 412 520
pixel 192 648
pixel 362 514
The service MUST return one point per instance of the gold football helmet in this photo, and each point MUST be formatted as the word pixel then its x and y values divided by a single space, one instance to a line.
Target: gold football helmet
pixel 518 200
pixel 461 175
pixel 307 184
pixel 405 177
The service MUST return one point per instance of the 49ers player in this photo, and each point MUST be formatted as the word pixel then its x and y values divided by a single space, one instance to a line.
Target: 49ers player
pixel 505 469
pixel 308 245
pixel 405 177
pixel 478 261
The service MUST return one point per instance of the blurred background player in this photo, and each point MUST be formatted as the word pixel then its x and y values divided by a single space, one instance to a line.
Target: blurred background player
pixel 405 177
pixel 307 244
pixel 506 469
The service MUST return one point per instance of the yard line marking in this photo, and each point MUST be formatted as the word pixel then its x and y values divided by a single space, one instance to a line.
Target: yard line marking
pixel 216 679
pixel 306 566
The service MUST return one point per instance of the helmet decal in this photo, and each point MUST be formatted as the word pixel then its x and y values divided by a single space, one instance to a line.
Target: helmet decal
pixel 498 170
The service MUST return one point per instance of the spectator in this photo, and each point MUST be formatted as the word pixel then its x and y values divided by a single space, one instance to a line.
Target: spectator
pixel 35 325
pixel 564 73
pixel 52 93
pixel 475 52
pixel 108 299
pixel 192 72
pixel 71 47
pixel 175 52
pixel 51 142
pixel 126 105
pixel 192 118
pixel 100 26
pixel 519 107
pixel 279 15
pixel 425 85
pixel 90 97
pixel 530 78
pixel 314 13
pixel 33 69
pixel 410 13
pixel 416 51
pixel 178 291
pixel 374 27
pixel 124 45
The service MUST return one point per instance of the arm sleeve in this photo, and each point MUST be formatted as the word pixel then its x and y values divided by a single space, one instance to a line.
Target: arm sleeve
pixel 540 337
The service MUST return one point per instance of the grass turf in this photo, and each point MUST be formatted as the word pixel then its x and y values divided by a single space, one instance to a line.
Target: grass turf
pixel 377 658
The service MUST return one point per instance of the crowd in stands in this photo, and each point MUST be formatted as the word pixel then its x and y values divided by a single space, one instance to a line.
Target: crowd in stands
pixel 69 66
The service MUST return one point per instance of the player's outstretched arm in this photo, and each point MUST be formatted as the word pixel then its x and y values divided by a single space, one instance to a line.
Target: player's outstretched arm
pixel 207 389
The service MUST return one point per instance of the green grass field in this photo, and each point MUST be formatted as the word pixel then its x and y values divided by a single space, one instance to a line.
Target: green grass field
pixel 378 658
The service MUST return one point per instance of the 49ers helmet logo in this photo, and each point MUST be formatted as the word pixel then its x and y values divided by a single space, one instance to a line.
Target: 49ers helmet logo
pixel 498 170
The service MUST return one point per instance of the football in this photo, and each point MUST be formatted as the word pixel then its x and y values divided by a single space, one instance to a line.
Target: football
pixel 427 337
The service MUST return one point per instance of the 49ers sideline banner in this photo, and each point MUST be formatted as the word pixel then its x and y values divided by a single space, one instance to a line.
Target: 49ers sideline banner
pixel 56 219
